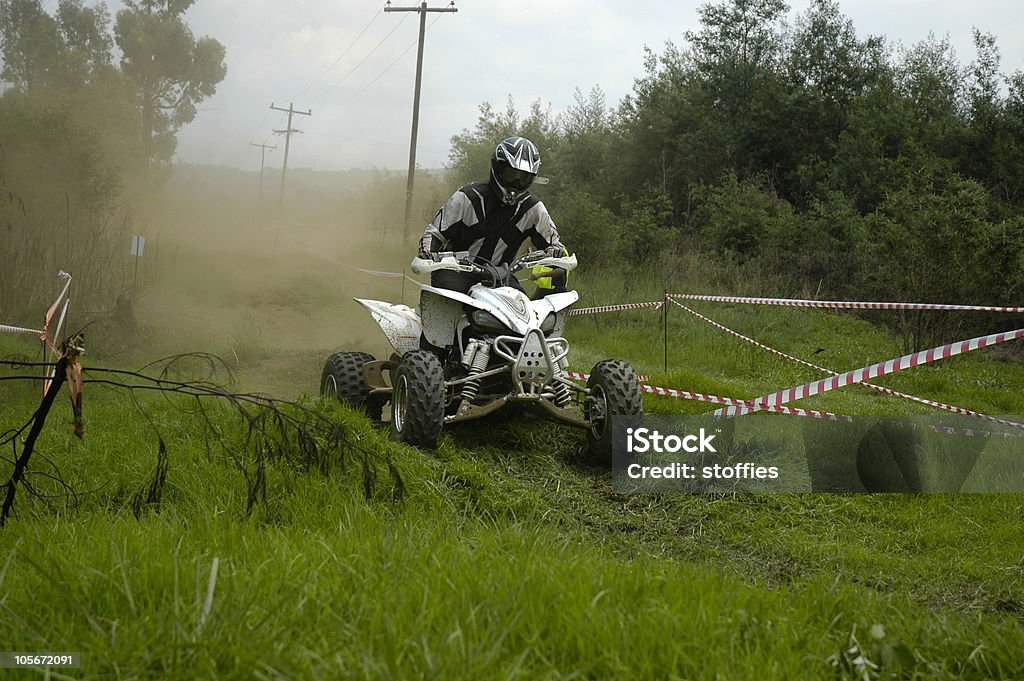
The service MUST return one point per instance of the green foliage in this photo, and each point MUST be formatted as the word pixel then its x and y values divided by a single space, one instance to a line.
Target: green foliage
pixel 740 219
pixel 936 218
pixel 471 150
pixel 60 191
pixel 171 71
pixel 587 228
pixel 647 232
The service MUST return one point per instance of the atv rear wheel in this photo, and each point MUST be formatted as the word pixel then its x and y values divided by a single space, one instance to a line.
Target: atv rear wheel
pixel 342 377
pixel 614 391
pixel 417 400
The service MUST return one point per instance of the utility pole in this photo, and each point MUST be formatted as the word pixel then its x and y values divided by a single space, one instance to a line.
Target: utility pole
pixel 287 140
pixel 422 9
pixel 263 153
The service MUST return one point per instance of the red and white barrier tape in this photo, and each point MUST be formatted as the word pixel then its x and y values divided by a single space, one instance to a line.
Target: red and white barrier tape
pixel 714 399
pixel 53 309
pixel 614 308
pixel 44 334
pixel 4 328
pixel 793 411
pixel 865 373
pixel 888 391
pixel 846 305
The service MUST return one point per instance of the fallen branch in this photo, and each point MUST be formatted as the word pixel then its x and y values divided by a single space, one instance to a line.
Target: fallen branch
pixel 277 429
pixel 37 421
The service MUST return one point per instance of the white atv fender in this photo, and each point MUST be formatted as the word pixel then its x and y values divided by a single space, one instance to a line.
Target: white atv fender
pixel 555 302
pixel 436 317
pixel 400 323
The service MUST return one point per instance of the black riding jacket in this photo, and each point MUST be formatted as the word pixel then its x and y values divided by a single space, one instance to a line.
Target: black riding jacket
pixel 474 219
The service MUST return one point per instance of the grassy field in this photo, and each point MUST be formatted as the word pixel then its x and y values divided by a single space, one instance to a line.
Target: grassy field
pixel 510 556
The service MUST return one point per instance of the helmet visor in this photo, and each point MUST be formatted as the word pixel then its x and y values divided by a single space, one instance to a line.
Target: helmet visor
pixel 513 178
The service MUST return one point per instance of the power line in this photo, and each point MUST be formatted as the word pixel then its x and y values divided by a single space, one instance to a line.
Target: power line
pixel 378 76
pixel 365 142
pixel 361 62
pixel 335 63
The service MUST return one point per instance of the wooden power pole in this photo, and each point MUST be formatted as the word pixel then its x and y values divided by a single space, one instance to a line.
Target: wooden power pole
pixel 263 154
pixel 287 140
pixel 422 9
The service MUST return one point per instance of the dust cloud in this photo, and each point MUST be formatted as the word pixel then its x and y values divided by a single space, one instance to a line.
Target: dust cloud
pixel 271 291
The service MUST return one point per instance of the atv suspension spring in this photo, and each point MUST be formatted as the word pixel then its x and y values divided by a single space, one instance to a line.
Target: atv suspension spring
pixel 563 396
pixel 481 355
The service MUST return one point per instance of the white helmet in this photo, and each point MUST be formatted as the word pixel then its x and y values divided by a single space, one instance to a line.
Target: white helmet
pixel 514 166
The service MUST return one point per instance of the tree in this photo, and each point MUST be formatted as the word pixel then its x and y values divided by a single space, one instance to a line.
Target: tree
pixel 737 39
pixel 171 70
pixel 738 56
pixel 988 140
pixel 1009 165
pixel 65 52
pixel 31 44
pixel 931 77
pixel 86 32
pixel 932 238
pixel 584 156
pixel 471 149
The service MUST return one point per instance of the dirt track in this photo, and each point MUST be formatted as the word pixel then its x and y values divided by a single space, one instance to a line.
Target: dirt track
pixel 273 317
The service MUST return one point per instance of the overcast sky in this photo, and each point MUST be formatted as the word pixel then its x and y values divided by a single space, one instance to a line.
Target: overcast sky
pixel 360 88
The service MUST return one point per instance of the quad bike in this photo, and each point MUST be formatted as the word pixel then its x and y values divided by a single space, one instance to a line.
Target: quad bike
pixel 460 357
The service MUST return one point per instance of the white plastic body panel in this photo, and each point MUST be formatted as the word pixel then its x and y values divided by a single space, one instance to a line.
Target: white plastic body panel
pixel 440 311
pixel 400 323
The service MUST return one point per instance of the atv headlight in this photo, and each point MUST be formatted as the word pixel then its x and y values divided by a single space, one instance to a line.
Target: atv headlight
pixel 485 321
pixel 548 325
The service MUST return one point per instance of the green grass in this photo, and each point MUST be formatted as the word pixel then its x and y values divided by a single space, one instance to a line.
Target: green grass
pixel 512 556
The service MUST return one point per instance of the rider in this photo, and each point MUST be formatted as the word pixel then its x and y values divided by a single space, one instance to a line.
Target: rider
pixel 491 219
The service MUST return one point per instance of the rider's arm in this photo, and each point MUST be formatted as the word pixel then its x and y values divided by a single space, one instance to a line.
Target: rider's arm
pixel 543 233
pixel 430 243
pixel 448 224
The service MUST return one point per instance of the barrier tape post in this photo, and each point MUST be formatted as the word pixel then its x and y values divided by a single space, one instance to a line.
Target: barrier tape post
pixel 664 324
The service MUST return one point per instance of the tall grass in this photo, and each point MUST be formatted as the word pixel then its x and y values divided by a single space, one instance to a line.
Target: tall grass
pixel 509 558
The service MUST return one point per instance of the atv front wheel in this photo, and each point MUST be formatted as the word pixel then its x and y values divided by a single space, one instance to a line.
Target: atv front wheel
pixel 417 400
pixel 342 377
pixel 614 391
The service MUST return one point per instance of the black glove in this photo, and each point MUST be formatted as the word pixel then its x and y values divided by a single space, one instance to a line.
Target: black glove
pixel 428 256
pixel 501 273
pixel 555 251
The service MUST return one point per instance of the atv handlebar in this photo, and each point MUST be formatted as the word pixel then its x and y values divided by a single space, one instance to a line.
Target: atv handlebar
pixel 445 261
pixel 462 261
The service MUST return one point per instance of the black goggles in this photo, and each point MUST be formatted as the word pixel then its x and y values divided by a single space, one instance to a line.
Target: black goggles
pixel 515 178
